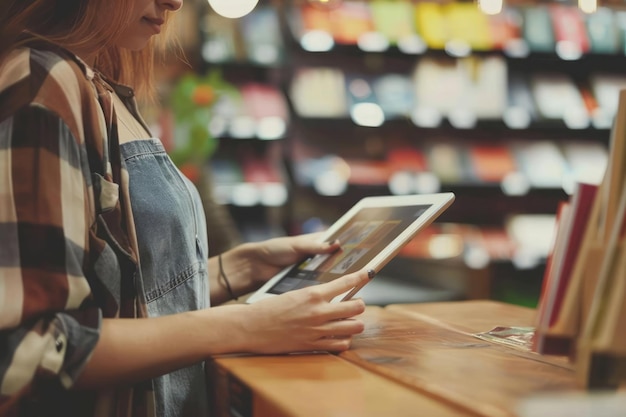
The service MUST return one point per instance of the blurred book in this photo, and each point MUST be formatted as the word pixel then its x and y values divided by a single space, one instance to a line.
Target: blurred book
pixel 487 80
pixel 598 118
pixel 491 163
pixel 222 41
pixel 497 243
pixel 363 104
pixel 350 21
pixel 319 92
pixel 474 246
pixel 601 348
pixel 605 88
pixel 268 178
pixel 394 93
pixel 394 20
pixel 408 167
pixel 570 31
pixel 368 172
pixel 506 32
pixel 537 28
pixel 447 162
pixel 463 90
pixel 328 175
pixel 437 241
pixel 572 220
pixel 586 162
pixel 602 31
pixel 468 29
pixel 520 110
pixel 311 27
pixel 532 235
pixel 583 303
pixel 558 98
pixel 407 158
pixel 262 37
pixel 268 107
pixel 226 174
pixel 431 23
pixel 438 87
pixel 620 19
pixel 541 162
pixel 230 118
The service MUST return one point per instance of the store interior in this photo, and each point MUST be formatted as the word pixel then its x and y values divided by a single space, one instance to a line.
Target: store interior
pixel 287 116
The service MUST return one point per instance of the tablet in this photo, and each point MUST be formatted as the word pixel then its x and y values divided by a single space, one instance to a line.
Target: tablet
pixel 371 233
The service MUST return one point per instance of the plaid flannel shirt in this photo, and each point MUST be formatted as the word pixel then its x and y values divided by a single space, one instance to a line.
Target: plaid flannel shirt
pixel 67 244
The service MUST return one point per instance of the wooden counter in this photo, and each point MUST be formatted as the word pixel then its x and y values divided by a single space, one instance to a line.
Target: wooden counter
pixel 417 359
pixel 316 385
pixel 429 348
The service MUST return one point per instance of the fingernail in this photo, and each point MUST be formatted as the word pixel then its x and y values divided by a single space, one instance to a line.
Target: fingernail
pixel 371 273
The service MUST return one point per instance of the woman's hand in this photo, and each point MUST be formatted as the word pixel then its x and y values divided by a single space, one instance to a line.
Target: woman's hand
pixel 305 320
pixel 271 256
pixel 250 265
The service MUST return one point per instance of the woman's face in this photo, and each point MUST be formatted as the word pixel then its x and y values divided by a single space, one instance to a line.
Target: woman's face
pixel 147 18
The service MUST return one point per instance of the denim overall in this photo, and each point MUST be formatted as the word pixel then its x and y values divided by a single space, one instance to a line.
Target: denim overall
pixel 173 251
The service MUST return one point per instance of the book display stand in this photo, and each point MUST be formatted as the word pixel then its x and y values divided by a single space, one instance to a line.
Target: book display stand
pixel 582 309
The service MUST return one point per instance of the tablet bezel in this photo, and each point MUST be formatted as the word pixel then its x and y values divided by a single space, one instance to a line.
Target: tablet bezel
pixel 438 202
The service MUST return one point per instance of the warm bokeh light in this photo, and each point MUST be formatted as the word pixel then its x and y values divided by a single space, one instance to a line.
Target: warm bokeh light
pixel 490 6
pixel 326 4
pixel 588 6
pixel 233 8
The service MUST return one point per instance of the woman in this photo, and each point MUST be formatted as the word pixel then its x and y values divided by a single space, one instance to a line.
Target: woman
pixel 104 279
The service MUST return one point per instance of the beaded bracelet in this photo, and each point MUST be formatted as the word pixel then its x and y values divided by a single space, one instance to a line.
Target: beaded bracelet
pixel 223 275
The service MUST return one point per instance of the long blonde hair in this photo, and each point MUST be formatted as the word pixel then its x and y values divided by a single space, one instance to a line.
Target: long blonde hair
pixel 81 25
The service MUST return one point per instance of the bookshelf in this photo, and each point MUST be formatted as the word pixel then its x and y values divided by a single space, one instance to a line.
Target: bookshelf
pixel 498 135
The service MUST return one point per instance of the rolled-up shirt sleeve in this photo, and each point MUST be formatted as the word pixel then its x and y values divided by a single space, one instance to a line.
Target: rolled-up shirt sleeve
pixel 49 324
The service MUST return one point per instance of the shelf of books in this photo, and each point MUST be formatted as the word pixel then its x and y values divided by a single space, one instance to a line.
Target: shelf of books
pixel 582 312
pixel 509 109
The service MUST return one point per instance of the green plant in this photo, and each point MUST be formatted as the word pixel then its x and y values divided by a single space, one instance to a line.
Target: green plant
pixel 193 100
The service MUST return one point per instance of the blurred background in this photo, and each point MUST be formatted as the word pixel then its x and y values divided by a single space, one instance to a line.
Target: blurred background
pixel 285 113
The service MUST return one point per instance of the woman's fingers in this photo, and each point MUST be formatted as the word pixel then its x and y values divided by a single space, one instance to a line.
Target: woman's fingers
pixel 342 310
pixel 345 283
pixel 333 345
pixel 341 328
pixel 306 319
pixel 312 243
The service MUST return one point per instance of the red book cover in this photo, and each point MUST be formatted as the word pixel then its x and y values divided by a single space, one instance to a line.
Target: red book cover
pixel 407 159
pixel 581 202
pixel 368 172
pixel 569 27
pixel 491 163
pixel 571 228
pixel 549 284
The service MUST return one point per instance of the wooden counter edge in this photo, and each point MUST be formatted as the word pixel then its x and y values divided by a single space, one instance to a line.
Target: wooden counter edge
pixel 311 385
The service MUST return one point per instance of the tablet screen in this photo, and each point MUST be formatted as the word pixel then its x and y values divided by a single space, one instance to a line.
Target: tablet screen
pixel 369 231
